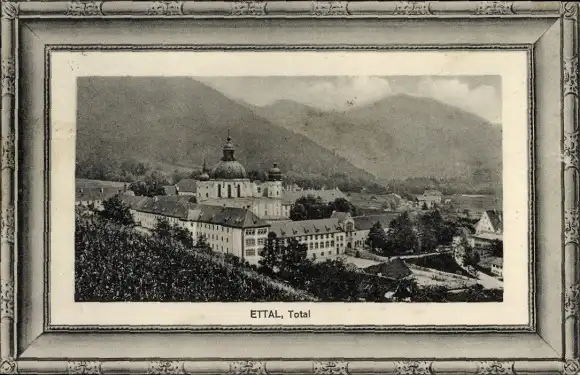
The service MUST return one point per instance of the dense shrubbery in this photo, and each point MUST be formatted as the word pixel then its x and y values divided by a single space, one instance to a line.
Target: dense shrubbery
pixel 114 263
pixel 312 208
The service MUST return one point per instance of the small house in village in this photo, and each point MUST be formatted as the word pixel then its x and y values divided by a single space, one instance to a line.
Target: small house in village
pixel 429 199
pixel 488 229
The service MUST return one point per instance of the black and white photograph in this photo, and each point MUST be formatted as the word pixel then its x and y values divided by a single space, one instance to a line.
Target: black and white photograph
pixel 289 188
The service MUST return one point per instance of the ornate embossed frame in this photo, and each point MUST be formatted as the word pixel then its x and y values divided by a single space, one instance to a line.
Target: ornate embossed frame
pixel 30 29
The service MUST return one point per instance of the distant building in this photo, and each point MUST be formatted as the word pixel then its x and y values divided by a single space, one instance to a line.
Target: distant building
pixel 489 228
pixel 496 265
pixel 429 199
pixel 357 228
pixel 91 196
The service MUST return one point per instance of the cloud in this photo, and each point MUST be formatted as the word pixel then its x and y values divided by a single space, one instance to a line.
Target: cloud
pixel 338 93
pixel 482 100
pixel 343 92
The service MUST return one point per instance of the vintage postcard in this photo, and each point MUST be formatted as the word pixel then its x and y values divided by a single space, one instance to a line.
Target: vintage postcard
pixel 380 188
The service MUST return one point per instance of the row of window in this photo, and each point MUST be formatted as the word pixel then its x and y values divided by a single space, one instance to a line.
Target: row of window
pixel 252 232
pixel 216 227
pixel 214 237
pixel 252 241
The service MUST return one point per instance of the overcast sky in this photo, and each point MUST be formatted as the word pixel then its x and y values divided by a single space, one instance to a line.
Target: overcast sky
pixel 480 95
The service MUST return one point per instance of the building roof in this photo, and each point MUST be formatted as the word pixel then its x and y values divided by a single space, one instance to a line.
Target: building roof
pixel 488 236
pixel 366 222
pixel 170 190
pixel 432 193
pixel 84 194
pixel 180 207
pixel 87 183
pixel 325 195
pixel 496 218
pixel 305 227
pixel 226 216
pixel 393 269
pixel 496 261
pixel 187 185
pixel 171 206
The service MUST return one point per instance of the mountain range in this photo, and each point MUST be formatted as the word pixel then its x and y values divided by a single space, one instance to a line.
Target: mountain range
pixel 181 121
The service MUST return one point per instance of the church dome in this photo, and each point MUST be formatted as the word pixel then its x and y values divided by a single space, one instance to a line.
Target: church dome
pixel 228 168
pixel 275 174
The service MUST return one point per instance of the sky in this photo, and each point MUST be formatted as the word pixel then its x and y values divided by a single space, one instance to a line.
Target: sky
pixel 480 95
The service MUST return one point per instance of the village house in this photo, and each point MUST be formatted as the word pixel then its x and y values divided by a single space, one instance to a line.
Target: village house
pixel 488 229
pixel 429 199
pixel 94 196
pixel 496 266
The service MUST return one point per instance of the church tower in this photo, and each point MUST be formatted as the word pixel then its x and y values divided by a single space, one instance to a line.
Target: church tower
pixel 274 183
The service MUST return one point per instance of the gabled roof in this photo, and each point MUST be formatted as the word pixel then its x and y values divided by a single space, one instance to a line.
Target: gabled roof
pixel 393 269
pixel 227 216
pixel 366 222
pixel 305 227
pixel 96 193
pixel 187 185
pixel 326 195
pixel 496 218
pixel 432 193
pixel 171 206
pixel 170 190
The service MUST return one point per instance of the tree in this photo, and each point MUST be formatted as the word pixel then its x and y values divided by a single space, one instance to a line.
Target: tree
pixel 202 244
pixel 402 237
pixel 343 205
pixel 310 208
pixel 115 210
pixel 377 238
pixel 496 248
pixel 424 207
pixel 271 255
pixel 471 257
pixel 164 229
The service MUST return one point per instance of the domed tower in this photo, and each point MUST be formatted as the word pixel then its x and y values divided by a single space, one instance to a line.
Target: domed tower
pixel 204 176
pixel 229 179
pixel 229 168
pixel 274 183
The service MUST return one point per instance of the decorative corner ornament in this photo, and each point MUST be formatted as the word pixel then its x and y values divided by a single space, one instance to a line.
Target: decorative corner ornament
pixel 6 300
pixel 248 368
pixel 10 10
pixel 571 226
pixel 330 368
pixel 166 8
pixel 166 367
pixel 571 76
pixel 412 8
pixel 569 10
pixel 84 367
pixel 571 156
pixel 249 8
pixel 494 8
pixel 572 367
pixel 8 366
pixel 7 152
pixel 7 225
pixel 495 368
pixel 572 301
pixel 413 368
pixel 84 8
pixel 8 73
pixel 330 8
